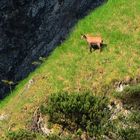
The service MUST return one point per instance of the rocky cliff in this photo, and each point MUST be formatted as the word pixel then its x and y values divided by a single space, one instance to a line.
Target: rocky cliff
pixel 30 29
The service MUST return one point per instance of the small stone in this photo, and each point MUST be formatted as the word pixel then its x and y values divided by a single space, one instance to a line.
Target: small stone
pixel 84 136
pixel 110 107
pixel 3 117
pixel 126 112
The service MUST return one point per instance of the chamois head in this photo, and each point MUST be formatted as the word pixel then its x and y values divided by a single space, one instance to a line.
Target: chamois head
pixel 83 36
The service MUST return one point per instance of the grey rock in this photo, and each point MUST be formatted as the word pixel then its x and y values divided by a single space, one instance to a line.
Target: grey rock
pixel 30 29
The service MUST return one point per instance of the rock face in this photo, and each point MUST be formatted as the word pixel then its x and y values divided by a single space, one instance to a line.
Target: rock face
pixel 30 29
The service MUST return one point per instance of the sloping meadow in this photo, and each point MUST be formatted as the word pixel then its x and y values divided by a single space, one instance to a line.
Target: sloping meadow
pixel 71 68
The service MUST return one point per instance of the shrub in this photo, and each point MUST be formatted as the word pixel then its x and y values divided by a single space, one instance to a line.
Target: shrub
pixel 135 117
pixel 56 137
pixel 75 110
pixel 129 134
pixel 21 135
pixel 129 92
pixel 130 95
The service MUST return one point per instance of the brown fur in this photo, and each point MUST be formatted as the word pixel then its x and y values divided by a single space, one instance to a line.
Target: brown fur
pixel 93 40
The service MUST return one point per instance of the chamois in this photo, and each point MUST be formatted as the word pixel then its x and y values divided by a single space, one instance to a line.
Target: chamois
pixel 93 40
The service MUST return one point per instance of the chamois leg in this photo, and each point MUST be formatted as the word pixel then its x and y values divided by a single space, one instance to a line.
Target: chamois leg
pixel 90 47
pixel 99 46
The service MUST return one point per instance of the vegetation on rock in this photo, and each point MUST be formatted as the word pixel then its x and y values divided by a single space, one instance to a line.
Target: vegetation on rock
pixel 79 111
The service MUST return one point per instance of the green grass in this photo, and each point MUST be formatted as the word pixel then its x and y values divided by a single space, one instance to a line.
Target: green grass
pixel 71 68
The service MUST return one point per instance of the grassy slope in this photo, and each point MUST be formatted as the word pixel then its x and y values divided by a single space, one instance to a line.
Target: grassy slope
pixel 72 68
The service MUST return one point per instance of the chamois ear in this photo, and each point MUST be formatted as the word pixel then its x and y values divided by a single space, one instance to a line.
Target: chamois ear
pixel 83 36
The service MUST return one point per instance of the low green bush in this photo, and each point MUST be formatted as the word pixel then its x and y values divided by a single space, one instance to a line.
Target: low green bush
pixel 135 117
pixel 53 137
pixel 56 137
pixel 75 110
pixel 21 135
pixel 130 92
pixel 129 134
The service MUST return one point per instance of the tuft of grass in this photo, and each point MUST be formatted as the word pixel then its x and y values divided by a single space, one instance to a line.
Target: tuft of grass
pixel 130 93
pixel 129 134
pixel 24 134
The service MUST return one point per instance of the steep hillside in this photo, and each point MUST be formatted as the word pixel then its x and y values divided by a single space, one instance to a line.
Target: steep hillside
pixel 28 31
pixel 72 68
